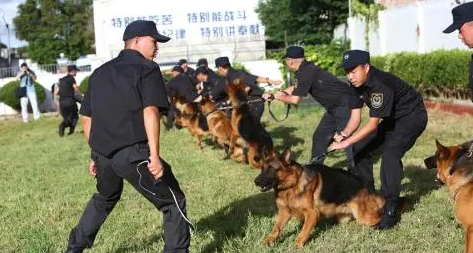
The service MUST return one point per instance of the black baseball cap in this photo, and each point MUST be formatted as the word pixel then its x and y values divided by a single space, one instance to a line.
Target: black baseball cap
pixel 462 14
pixel 140 28
pixel 72 68
pixel 353 58
pixel 202 61
pixel 178 69
pixel 181 61
pixel 222 61
pixel 294 52
pixel 201 70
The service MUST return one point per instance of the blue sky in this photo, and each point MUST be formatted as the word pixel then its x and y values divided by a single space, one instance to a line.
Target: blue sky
pixel 8 9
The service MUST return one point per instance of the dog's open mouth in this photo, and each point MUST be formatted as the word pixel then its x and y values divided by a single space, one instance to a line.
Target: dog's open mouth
pixel 266 188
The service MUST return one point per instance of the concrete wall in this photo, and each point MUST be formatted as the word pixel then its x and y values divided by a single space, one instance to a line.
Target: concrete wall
pixel 414 27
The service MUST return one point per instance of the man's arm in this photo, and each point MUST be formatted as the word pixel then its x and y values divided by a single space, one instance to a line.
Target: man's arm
pixel 31 74
pixel 86 124
pixel 152 127
pixel 370 127
pixel 260 79
pixel 353 123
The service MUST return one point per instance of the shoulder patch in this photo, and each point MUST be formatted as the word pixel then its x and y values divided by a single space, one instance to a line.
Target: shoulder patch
pixel 377 100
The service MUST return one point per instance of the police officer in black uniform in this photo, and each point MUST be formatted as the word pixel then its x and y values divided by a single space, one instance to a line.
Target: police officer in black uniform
pixel 121 122
pixel 187 70
pixel 254 92
pixel 181 86
pixel 327 90
pixel 207 81
pixel 67 100
pixel 397 118
pixel 463 21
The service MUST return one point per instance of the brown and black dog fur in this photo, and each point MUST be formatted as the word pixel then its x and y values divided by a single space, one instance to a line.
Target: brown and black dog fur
pixel 221 129
pixel 312 192
pixel 455 169
pixel 190 116
pixel 246 126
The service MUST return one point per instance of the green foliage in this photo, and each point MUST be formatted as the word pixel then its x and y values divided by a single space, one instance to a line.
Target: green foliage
pixel 326 56
pixel 438 73
pixel 239 66
pixel 84 84
pixel 7 94
pixel 301 21
pixel 52 27
pixel 369 13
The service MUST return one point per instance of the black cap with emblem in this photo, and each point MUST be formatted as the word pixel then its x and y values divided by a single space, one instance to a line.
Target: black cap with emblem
pixel 141 28
pixel 222 61
pixel 462 14
pixel 353 58
pixel 177 69
pixel 294 52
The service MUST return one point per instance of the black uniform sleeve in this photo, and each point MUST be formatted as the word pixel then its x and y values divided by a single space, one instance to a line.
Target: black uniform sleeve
pixel 303 86
pixel 86 108
pixel 381 103
pixel 354 101
pixel 152 89
pixel 218 92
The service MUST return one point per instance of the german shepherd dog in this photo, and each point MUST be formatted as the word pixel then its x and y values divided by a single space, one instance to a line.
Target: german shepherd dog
pixel 313 191
pixel 221 129
pixel 246 126
pixel 189 116
pixel 455 169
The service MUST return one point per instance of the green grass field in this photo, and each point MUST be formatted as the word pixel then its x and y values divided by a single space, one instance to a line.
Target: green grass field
pixel 44 187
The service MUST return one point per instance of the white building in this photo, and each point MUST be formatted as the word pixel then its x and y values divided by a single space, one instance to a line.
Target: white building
pixel 407 25
pixel 210 28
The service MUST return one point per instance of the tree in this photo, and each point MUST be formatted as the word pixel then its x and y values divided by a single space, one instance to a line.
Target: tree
pixel 302 21
pixel 52 27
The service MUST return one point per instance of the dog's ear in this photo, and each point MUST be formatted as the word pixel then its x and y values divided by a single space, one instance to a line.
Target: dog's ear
pixel 287 155
pixel 266 152
pixel 443 151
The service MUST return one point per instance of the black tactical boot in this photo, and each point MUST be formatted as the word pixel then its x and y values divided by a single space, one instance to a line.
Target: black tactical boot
pixel 389 215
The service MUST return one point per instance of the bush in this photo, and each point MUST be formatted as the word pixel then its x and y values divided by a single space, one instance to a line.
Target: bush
pixel 84 84
pixel 438 73
pixel 7 94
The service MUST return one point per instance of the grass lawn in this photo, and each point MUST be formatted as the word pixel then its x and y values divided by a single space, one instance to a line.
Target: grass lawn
pixel 44 187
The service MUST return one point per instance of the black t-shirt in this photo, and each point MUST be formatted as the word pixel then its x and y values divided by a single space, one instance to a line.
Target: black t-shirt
pixel 249 79
pixel 471 77
pixel 386 95
pixel 324 87
pixel 182 86
pixel 210 84
pixel 118 92
pixel 193 76
pixel 66 89
pixel 219 91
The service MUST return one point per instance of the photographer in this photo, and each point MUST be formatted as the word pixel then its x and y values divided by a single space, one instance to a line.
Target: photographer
pixel 27 78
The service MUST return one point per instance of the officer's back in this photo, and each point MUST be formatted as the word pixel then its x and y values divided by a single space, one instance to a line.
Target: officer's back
pixel 181 85
pixel 116 102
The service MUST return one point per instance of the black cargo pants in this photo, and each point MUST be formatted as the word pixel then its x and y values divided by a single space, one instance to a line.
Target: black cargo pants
pixel 392 140
pixel 110 175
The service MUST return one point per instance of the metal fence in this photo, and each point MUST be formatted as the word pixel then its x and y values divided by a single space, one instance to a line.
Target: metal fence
pixel 49 68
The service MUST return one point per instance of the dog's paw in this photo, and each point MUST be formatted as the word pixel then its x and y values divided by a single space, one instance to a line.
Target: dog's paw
pixel 300 243
pixel 268 241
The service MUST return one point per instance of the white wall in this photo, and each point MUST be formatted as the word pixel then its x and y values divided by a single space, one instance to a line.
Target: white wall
pixel 111 17
pixel 415 27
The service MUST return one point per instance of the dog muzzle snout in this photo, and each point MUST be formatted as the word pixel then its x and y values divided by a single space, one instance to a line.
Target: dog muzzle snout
pixel 264 183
